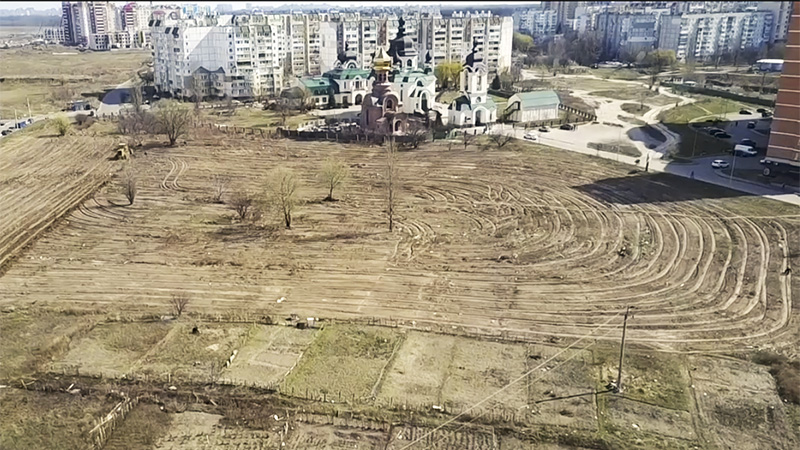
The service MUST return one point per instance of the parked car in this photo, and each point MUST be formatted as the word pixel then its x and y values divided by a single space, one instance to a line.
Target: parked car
pixel 544 130
pixel 751 124
pixel 567 126
pixel 6 132
pixel 531 136
pixel 722 135
pixel 719 164
pixel 744 150
pixel 712 131
pixel 748 142
pixel 744 111
pixel 766 114
pixel 761 110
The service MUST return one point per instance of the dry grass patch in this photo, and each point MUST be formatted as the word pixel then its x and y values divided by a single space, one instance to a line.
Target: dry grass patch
pixel 31 339
pixel 268 355
pixel 112 349
pixel 35 420
pixel 344 360
pixel 191 356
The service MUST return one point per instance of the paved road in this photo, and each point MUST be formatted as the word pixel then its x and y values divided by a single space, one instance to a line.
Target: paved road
pixel 112 102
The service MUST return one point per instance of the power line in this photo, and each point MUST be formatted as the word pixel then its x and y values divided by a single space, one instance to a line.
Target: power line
pixel 516 380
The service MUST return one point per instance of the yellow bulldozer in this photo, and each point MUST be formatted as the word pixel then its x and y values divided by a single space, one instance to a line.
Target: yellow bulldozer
pixel 123 152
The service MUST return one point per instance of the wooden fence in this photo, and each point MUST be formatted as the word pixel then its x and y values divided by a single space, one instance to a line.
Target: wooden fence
pixel 105 425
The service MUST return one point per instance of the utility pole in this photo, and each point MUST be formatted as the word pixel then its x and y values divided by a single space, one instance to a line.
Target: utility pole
pixel 733 167
pixel 618 389
pixel 27 99
pixel 694 146
pixel 16 125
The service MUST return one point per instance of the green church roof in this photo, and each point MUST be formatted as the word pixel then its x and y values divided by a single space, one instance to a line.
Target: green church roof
pixel 537 99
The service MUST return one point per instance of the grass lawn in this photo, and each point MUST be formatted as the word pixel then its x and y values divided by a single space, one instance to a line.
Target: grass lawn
pixel 634 93
pixel 623 149
pixel 57 420
pixel 618 74
pixel 255 118
pixel 635 108
pixel 707 106
pixel 344 359
pixel 697 143
pixel 52 76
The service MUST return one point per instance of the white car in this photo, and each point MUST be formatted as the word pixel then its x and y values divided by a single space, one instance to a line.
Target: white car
pixel 532 137
pixel 719 164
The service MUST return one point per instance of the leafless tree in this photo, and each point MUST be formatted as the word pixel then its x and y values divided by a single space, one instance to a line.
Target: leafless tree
pixel 220 185
pixel 282 187
pixel 501 139
pixel 467 138
pixel 197 91
pixel 173 119
pixel 284 110
pixel 137 99
pixel 334 173
pixel 391 180
pixel 129 185
pixel 179 302
pixel 241 202
pixel 135 126
pixel 417 133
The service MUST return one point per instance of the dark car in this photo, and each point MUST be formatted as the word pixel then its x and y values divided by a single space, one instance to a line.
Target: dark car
pixel 749 142
pixel 6 132
pixel 751 124
pixel 744 111
pixel 713 131
pixel 761 110
pixel 722 135
pixel 544 130
pixel 766 114
pixel 567 126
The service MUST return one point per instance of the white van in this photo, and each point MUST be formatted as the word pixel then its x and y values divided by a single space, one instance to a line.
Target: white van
pixel 744 150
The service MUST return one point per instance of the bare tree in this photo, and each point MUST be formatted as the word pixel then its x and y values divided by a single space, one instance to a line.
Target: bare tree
pixel 197 91
pixel 137 99
pixel 501 139
pixel 241 203
pixel 334 173
pixel 220 185
pixel 282 187
pixel 129 185
pixel 391 180
pixel 135 126
pixel 179 302
pixel 283 108
pixel 467 138
pixel 417 133
pixel 173 119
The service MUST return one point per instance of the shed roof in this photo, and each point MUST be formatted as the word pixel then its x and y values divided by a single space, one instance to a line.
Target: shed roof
pixel 537 99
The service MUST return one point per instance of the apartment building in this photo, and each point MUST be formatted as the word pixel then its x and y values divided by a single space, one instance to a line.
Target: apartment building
pixel 136 16
pixel 784 138
pixel 707 35
pixel 622 33
pixel 102 26
pixel 541 24
pixel 781 13
pixel 260 54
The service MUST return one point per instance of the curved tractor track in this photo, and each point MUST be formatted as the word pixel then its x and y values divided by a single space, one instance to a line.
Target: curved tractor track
pixel 534 243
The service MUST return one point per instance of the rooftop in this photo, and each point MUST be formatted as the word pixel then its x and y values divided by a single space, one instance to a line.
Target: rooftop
pixel 536 99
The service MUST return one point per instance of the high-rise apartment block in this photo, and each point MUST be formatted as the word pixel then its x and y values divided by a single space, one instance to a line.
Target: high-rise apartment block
pixel 784 138
pixel 259 54
pixel 539 23
pixel 707 35
pixel 622 33
pixel 101 26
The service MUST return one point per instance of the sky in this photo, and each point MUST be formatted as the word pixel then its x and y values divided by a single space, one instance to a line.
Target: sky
pixel 242 5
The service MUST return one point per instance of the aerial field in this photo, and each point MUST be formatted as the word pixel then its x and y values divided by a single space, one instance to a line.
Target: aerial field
pixel 526 241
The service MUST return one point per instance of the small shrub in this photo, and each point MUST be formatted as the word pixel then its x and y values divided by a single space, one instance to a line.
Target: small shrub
pixel 62 125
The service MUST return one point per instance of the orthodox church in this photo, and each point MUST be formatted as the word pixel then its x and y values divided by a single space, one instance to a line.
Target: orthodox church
pixel 403 90
pixel 474 107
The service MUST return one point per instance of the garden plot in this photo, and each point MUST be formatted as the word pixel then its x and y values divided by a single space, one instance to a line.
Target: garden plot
pixel 418 371
pixel 196 357
pixel 112 349
pixel 472 438
pixel 268 355
pixel 553 376
pixel 345 362
pixel 739 406
pixel 192 430
pixel 479 368
pixel 303 436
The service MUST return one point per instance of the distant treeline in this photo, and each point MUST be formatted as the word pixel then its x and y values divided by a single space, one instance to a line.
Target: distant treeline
pixel 29 21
